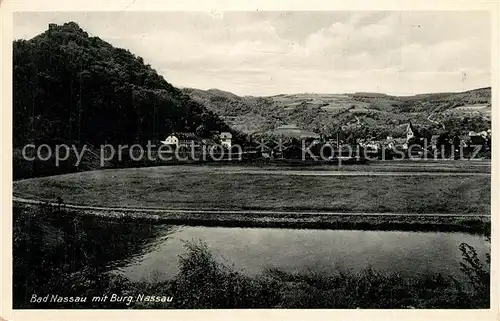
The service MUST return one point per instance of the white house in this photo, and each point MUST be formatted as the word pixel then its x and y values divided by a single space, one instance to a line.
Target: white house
pixel 182 139
pixel 171 140
pixel 225 139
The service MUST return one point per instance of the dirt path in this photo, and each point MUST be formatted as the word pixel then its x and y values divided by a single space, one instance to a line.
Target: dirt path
pixel 347 173
pixel 225 211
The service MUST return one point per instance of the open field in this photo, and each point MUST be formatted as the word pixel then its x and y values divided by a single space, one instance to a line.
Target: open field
pixel 470 110
pixel 375 166
pixel 234 188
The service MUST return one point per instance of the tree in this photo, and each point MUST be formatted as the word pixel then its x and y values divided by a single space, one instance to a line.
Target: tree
pixel 72 88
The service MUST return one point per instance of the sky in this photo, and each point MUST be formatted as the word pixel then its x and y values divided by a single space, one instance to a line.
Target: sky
pixel 268 53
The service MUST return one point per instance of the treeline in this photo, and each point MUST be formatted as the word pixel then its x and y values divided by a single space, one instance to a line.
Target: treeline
pixel 231 105
pixel 71 88
pixel 427 102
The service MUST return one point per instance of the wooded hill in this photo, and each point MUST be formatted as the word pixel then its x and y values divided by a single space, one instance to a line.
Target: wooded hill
pixel 69 87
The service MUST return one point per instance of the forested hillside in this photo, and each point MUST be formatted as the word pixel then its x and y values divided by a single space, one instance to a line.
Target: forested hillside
pixel 70 88
pixel 360 114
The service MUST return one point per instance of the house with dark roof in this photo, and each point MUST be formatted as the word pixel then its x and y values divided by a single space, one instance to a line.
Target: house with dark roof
pixel 182 139
pixel 225 139
pixel 411 132
pixel 474 140
pixel 208 142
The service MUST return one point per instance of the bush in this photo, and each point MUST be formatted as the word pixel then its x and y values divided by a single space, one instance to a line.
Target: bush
pixel 206 281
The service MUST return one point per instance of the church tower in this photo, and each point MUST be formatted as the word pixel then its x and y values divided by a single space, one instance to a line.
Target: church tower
pixel 410 132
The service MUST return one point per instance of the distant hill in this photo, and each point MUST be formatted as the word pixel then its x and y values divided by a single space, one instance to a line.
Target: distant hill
pixel 73 88
pixel 368 114
pixel 69 88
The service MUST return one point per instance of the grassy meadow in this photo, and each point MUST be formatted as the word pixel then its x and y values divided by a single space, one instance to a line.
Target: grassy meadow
pixel 184 187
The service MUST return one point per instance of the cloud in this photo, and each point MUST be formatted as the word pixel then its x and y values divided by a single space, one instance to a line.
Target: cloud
pixel 283 52
pixel 447 56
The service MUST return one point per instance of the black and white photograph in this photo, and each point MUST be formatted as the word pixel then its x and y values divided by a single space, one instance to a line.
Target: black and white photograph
pixel 257 159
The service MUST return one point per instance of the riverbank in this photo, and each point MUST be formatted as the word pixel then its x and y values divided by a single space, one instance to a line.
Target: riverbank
pixel 203 282
pixel 299 220
pixel 84 251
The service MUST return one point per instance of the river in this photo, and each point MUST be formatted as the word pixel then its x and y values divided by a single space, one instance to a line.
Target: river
pixel 253 250
pixel 148 251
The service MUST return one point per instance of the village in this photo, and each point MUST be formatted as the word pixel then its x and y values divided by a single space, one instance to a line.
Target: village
pixel 289 142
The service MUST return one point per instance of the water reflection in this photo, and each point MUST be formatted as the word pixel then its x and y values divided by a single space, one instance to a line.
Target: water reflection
pixel 321 251
pixel 49 246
